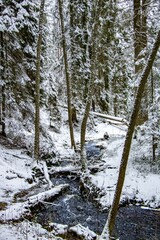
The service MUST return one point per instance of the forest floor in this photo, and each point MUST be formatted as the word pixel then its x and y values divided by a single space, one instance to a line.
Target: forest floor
pixel 142 183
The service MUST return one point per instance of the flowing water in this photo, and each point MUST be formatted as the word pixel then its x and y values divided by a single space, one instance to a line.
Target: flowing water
pixel 72 207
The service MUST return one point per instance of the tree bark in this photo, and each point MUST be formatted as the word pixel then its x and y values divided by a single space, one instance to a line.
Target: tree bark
pixel 108 229
pixel 90 85
pixel 140 43
pixel 37 83
pixel 3 95
pixel 153 138
pixel 145 4
pixel 68 82
pixel 84 126
pixel 137 32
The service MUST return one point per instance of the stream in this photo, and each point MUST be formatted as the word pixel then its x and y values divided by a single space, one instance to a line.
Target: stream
pixel 72 207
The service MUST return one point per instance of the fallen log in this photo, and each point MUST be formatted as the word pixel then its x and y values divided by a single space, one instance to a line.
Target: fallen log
pixel 110 118
pixel 82 232
pixel 20 210
pixel 65 170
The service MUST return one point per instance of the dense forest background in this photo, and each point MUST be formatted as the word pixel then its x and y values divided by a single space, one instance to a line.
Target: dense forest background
pixel 100 53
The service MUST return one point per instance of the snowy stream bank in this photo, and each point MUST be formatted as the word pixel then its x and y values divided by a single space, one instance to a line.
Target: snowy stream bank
pixel 74 207
pixel 64 214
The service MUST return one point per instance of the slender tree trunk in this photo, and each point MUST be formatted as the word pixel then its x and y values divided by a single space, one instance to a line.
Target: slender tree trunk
pixel 154 145
pixel 3 94
pixel 68 82
pixel 140 43
pixel 137 32
pixel 84 125
pixel 37 84
pixel 108 229
pixel 3 111
pixel 91 84
pixel 140 30
pixel 145 4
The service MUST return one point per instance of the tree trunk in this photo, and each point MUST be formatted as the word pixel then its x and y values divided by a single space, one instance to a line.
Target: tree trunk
pixel 84 126
pixel 140 43
pixel 3 96
pixel 68 82
pixel 3 111
pixel 144 23
pixel 137 32
pixel 78 46
pixel 108 229
pixel 37 83
pixel 153 138
pixel 96 11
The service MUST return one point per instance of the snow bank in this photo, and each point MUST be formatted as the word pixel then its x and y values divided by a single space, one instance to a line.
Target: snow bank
pixel 25 230
pixel 19 210
pixel 15 173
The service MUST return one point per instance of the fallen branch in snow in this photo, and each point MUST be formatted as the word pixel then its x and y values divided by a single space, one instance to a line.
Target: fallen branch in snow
pixel 111 118
pixel 18 211
pixel 97 168
pixel 73 232
pixel 16 156
pixel 83 232
pixel 65 170
pixel 71 170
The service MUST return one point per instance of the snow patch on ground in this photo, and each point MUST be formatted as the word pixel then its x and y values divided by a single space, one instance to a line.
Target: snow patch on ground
pixel 139 185
pixel 25 230
pixel 15 170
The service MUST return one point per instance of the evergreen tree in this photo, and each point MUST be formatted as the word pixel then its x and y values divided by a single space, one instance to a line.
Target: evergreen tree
pixel 19 28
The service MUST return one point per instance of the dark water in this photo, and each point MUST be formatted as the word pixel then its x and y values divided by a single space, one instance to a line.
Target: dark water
pixel 135 223
pixel 72 207
pixel 92 150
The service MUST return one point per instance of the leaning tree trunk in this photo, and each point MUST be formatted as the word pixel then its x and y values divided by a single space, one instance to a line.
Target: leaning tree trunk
pixel 68 82
pixel 108 229
pixel 37 83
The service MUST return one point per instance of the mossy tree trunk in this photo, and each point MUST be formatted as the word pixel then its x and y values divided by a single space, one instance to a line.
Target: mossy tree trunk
pixel 108 229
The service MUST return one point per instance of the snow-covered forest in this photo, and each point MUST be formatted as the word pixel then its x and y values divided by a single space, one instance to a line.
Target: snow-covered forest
pixel 79 119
